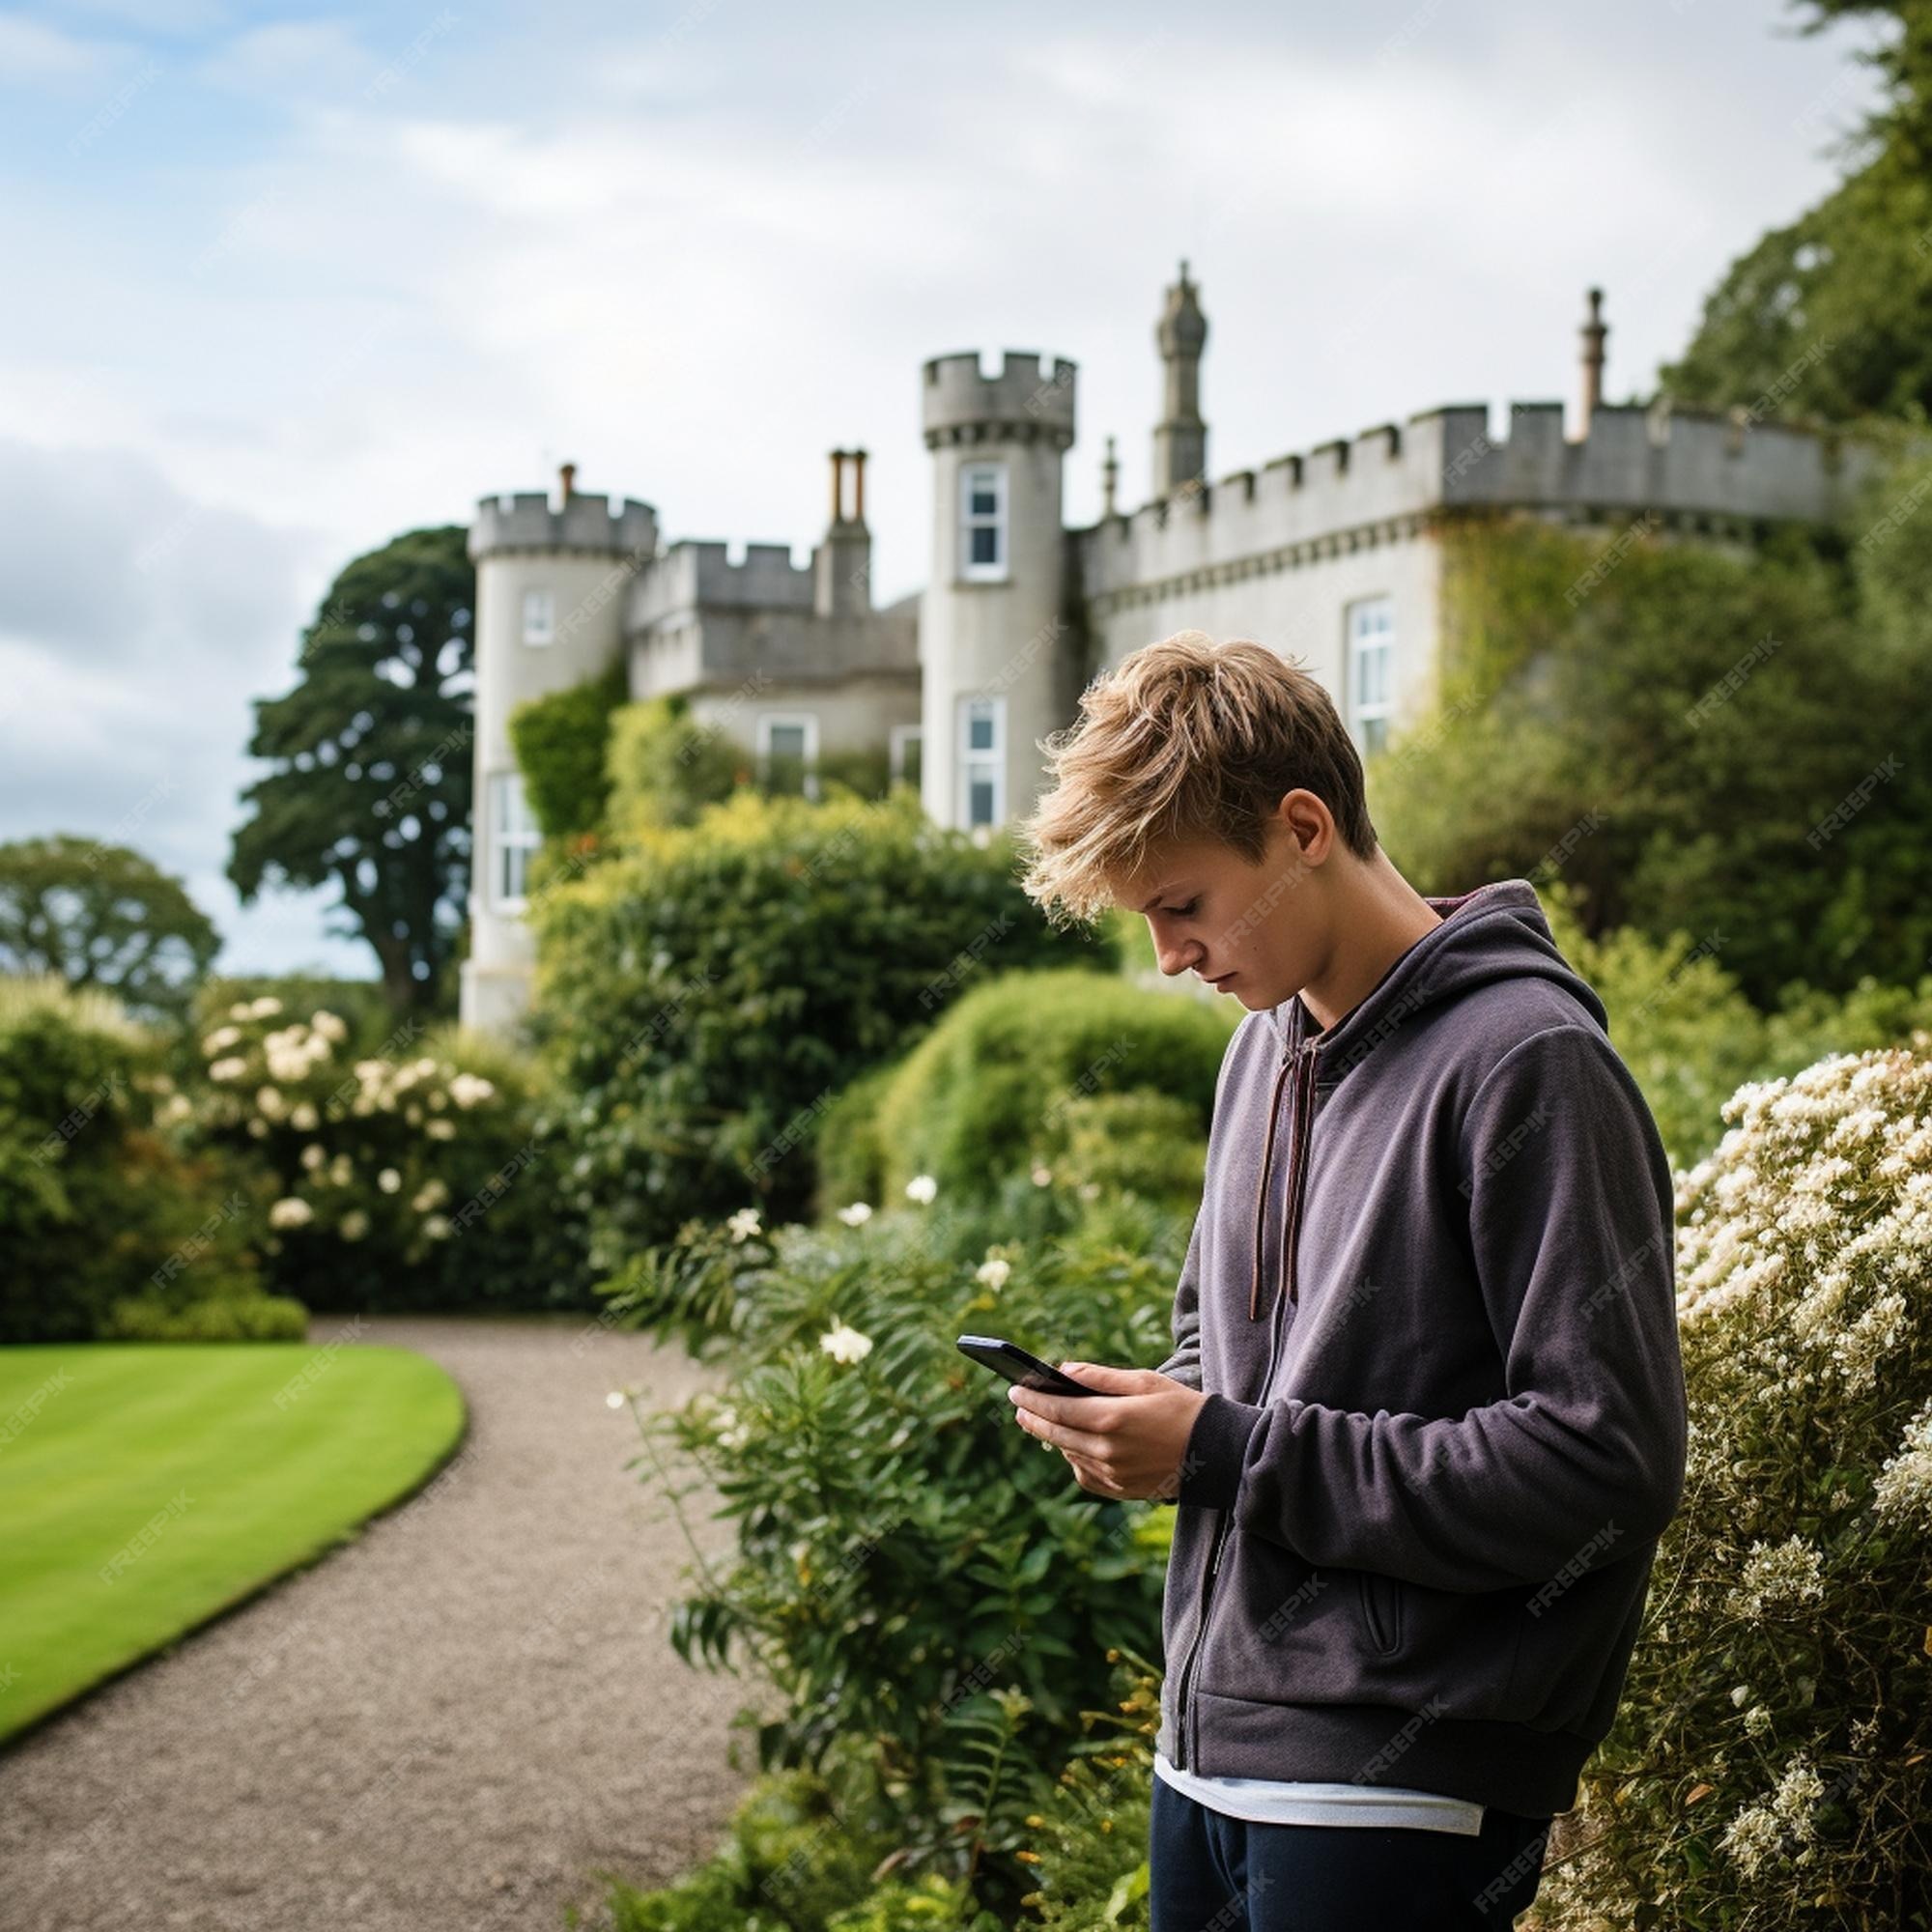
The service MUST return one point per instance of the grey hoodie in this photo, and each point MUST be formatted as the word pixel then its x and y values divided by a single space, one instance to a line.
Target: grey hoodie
pixel 1432 1302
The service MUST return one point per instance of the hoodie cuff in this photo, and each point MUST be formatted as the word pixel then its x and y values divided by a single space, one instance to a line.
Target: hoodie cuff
pixel 1217 1452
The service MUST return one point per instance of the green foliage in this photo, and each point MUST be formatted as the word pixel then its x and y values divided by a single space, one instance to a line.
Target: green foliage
pixel 1678 738
pixel 1769 1751
pixel 1831 315
pixel 371 749
pixel 1141 1142
pixel 926 1585
pixel 240 1318
pixel 850 1157
pixel 102 916
pixel 987 1095
pixel 560 739
pixel 664 767
pixel 706 996
pixel 104 1226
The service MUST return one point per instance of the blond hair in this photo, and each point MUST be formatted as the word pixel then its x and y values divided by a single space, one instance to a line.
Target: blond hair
pixel 1186 739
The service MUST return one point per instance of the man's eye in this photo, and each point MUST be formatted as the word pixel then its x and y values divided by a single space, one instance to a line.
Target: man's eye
pixel 1187 911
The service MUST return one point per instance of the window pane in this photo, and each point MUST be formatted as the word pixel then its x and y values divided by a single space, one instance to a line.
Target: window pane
pixel 979 793
pixel 978 733
pixel 788 741
pixel 985 543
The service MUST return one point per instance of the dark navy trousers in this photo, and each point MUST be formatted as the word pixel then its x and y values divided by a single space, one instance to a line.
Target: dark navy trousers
pixel 1213 1873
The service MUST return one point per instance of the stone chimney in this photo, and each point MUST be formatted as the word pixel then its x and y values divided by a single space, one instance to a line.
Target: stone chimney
pixel 1593 331
pixel 1110 479
pixel 841 565
pixel 567 475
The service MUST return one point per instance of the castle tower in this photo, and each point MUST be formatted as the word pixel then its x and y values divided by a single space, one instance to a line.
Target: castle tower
pixel 841 564
pixel 990 623
pixel 1180 437
pixel 550 606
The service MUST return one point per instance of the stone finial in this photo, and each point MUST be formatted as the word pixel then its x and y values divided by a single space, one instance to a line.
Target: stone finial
pixel 1110 475
pixel 1180 437
pixel 567 475
pixel 858 486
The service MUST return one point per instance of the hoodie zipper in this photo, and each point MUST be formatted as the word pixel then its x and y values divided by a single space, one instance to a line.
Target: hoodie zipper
pixel 1304 1055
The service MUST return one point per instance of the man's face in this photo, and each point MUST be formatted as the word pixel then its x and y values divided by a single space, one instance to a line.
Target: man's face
pixel 1254 931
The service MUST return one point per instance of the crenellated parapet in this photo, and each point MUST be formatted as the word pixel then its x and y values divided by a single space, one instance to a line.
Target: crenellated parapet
pixel 1696 469
pixel 527 521
pixel 1022 401
pixel 693 575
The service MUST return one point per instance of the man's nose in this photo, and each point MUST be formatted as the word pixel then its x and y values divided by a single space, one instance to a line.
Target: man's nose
pixel 1174 957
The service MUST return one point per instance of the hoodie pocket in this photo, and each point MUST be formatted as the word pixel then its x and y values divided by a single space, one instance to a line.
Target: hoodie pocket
pixel 1380 1598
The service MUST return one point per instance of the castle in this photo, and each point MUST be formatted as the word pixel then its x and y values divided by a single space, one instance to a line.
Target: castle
pixel 1334 556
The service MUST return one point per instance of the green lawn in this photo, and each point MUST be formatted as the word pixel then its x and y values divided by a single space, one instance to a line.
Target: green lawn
pixel 146 1486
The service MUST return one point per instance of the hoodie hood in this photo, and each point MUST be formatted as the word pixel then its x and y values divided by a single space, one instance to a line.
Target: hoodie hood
pixel 1496 931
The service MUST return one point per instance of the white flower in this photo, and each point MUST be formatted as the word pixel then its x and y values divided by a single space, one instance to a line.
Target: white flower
pixel 1777 1577
pixel 178 1108
pixel 742 1224
pixel 291 1211
pixel 340 1171
pixel 614 1399
pixel 331 1026
pixel 305 1118
pixel 259 1127
pixel 440 1130
pixel 260 1009
pixel 467 1089
pixel 1042 1177
pixel 845 1343
pixel 270 1103
pixel 355 1225
pixel 232 1068
pixel 437 1226
pixel 859 1211
pixel 431 1194
pixel 921 1187
pixel 388 1181
pixel 313 1156
pixel 993 1271
pixel 220 1038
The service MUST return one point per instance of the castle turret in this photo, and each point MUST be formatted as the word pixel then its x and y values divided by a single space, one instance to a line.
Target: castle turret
pixel 550 605
pixel 1180 437
pixel 991 621
pixel 841 565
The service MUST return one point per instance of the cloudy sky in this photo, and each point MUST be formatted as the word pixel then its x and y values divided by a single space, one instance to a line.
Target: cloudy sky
pixel 285 281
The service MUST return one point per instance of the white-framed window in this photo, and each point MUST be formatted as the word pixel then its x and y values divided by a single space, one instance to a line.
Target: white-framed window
pixel 982 522
pixel 539 618
pixel 513 837
pixel 788 751
pixel 907 741
pixel 1371 627
pixel 982 761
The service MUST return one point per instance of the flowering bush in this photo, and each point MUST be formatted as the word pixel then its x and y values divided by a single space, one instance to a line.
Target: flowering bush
pixel 1771 1752
pixel 932 1593
pixel 397 1173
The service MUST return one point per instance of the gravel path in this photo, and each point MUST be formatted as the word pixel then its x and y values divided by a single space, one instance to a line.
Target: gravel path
pixel 454 1721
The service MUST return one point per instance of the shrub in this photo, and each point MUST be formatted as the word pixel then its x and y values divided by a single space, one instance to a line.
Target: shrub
pixel 105 1224
pixel 664 767
pixel 988 1094
pixel 933 1596
pixel 706 997
pixel 400 1178
pixel 1766 1761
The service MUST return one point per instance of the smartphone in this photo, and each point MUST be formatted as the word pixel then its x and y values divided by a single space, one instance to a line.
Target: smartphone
pixel 1010 1359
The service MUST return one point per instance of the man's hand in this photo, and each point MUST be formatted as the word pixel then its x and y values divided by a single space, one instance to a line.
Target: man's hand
pixel 1129 1447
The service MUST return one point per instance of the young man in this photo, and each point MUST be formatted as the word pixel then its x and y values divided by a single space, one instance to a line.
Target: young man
pixel 1424 1421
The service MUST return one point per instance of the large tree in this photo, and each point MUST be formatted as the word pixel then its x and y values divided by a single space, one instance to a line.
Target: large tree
pixel 372 755
pixel 102 916
pixel 1831 315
